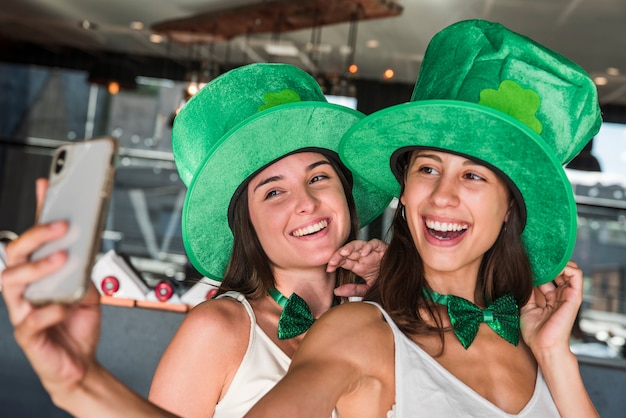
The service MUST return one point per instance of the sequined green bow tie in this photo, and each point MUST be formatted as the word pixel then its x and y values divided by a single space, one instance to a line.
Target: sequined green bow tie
pixel 502 316
pixel 296 317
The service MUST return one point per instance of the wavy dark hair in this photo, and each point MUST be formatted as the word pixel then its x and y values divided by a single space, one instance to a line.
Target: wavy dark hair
pixel 249 271
pixel 505 269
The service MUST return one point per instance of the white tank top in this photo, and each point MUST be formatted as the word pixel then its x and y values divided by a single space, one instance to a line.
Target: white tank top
pixel 263 365
pixel 424 388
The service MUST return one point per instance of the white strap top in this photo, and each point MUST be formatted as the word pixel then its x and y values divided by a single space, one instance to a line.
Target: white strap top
pixel 263 365
pixel 424 388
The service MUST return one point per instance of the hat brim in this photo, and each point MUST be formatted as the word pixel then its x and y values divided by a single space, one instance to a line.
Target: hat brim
pixel 248 147
pixel 488 136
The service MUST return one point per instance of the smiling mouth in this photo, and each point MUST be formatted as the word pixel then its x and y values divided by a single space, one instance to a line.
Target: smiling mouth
pixel 311 229
pixel 445 230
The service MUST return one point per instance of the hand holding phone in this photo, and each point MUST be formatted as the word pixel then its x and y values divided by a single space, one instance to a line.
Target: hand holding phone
pixel 80 182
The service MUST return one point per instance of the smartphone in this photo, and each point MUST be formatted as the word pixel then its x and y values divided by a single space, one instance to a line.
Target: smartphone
pixel 79 188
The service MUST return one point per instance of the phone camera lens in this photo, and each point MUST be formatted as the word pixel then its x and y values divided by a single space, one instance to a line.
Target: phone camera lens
pixel 60 162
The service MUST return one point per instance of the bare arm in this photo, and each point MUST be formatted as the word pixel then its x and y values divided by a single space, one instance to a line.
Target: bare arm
pixel 345 360
pixel 547 322
pixel 200 361
pixel 101 395
pixel 60 340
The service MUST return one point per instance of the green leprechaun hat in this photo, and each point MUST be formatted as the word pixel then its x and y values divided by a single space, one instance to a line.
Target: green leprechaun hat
pixel 238 124
pixel 500 98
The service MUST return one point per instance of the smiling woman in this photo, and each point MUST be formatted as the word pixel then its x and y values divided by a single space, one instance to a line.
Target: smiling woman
pixel 268 205
pixel 455 209
pixel 472 312
pixel 308 185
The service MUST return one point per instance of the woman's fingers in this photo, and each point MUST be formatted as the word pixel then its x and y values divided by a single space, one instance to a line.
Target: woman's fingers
pixel 26 273
pixel 38 321
pixel 16 279
pixel 346 252
pixel 351 290
pixel 19 251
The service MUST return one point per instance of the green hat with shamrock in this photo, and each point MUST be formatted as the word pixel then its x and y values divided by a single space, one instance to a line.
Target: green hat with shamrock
pixel 501 99
pixel 238 124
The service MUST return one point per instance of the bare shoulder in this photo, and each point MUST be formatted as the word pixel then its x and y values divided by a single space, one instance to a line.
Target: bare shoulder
pixel 211 341
pixel 223 318
pixel 214 326
pixel 349 326
pixel 353 316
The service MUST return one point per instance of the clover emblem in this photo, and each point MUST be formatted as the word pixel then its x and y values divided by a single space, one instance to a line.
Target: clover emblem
pixel 277 98
pixel 514 100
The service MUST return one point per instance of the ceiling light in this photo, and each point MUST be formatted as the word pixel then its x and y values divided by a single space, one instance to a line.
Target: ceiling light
pixel 152 81
pixel 353 69
pixel 388 74
pixel 325 48
pixel 282 49
pixel 114 87
pixel 612 71
pixel 192 88
pixel 320 48
pixel 156 38
pixel 85 24
pixel 372 43
pixel 136 25
pixel 600 81
pixel 345 49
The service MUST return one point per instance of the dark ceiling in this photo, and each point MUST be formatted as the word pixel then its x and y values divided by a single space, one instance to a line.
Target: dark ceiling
pixel 84 33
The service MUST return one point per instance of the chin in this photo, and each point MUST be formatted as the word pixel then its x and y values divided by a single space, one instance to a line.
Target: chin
pixel 443 264
pixel 320 259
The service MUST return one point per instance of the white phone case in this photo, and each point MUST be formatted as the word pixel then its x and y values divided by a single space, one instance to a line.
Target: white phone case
pixel 80 182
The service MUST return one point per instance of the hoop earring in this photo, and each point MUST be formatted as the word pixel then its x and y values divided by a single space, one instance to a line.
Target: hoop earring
pixel 402 213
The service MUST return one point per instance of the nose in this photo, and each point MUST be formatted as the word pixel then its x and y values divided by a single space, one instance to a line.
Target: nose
pixel 445 192
pixel 306 201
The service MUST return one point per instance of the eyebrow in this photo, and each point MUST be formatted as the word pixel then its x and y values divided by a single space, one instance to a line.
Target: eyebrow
pixel 431 156
pixel 310 167
pixel 435 157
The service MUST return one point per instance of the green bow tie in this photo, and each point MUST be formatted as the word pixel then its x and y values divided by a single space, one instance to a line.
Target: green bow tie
pixel 296 317
pixel 502 316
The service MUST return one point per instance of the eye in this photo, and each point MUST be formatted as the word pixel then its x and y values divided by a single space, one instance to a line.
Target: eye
pixel 271 193
pixel 427 170
pixel 319 177
pixel 473 176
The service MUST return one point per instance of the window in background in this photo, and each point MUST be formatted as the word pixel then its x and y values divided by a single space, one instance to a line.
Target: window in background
pixel 598 176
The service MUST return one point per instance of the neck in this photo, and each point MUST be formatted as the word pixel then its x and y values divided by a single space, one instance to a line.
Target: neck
pixel 315 286
pixel 459 283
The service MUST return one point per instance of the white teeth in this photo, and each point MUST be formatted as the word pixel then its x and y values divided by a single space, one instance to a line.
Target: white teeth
pixel 445 226
pixel 311 229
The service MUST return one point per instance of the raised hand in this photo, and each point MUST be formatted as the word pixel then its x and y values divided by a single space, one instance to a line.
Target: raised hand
pixel 59 340
pixel 361 257
pixel 548 317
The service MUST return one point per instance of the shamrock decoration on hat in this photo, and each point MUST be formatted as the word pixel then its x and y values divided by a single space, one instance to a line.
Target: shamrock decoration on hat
pixel 501 99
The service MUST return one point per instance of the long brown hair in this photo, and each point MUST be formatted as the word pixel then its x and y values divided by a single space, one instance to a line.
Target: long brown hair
pixel 505 269
pixel 249 271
